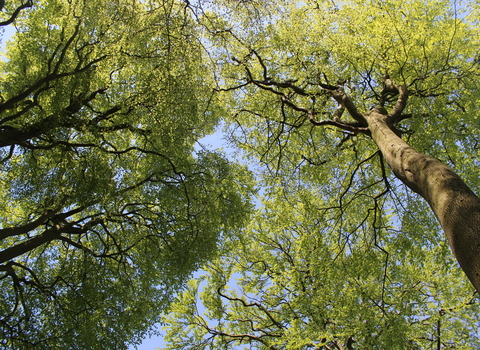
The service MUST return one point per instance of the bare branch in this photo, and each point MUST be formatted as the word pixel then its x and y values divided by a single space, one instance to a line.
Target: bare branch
pixel 391 89
pixel 354 128
pixel 29 245
pixel 257 305
pixel 345 101
pixel 14 231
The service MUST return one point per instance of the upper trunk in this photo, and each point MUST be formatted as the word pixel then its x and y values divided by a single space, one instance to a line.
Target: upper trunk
pixel 456 207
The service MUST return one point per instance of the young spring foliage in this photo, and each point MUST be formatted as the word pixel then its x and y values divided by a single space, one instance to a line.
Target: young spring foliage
pixel 342 255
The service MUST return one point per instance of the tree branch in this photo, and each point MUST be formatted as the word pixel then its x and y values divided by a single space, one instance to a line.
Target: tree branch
pixel 343 99
pixel 15 231
pixel 391 89
pixel 257 305
pixel 15 14
pixel 352 127
pixel 35 242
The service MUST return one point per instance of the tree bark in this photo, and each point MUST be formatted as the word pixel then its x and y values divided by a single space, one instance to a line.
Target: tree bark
pixel 29 245
pixel 456 207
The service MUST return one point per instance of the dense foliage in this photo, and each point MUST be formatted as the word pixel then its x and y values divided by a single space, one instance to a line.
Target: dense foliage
pixel 106 205
pixel 340 254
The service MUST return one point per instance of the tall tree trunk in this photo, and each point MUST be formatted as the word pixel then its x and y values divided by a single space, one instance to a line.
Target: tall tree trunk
pixel 456 207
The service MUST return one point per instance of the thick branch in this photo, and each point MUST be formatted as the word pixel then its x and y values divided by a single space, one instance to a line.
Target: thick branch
pixel 345 101
pixel 31 244
pixel 15 231
pixel 15 13
pixel 59 226
pixel 392 89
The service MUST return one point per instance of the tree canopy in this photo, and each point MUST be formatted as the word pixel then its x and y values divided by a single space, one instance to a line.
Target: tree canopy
pixel 106 205
pixel 341 253
pixel 358 119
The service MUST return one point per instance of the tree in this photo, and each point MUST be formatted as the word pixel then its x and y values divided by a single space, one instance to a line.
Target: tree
pixel 106 207
pixel 12 10
pixel 343 255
